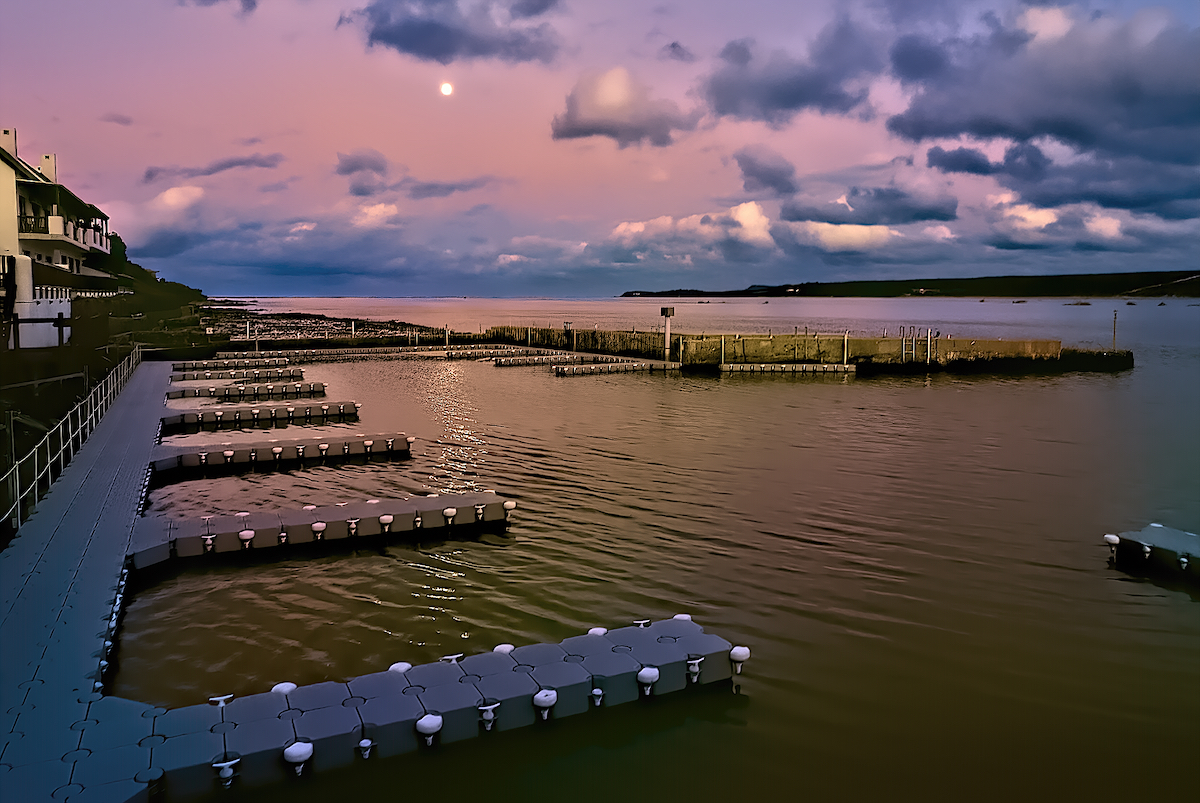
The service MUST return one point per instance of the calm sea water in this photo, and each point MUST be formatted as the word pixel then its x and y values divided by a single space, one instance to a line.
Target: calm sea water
pixel 915 562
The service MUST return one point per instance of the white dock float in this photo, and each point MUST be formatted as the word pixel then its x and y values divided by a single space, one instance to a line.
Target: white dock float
pixel 247 374
pixel 229 364
pixel 216 416
pixel 157 539
pixel 282 390
pixel 787 368
pixel 173 463
pixel 559 358
pixel 617 368
pixel 443 352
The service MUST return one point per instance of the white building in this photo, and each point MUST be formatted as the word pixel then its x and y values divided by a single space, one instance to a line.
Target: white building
pixel 46 236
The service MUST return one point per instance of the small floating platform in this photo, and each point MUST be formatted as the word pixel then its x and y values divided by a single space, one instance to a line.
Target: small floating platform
pixel 560 358
pixel 217 416
pixel 787 368
pixel 251 374
pixel 477 353
pixel 226 365
pixel 241 392
pixel 617 368
pixel 157 539
pixel 1157 549
pixel 458 352
pixel 175 463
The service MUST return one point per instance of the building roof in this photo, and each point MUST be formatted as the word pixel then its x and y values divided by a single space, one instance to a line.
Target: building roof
pixel 41 188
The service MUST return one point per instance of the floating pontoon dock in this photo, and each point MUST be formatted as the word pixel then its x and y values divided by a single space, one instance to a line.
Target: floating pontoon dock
pixel 63 581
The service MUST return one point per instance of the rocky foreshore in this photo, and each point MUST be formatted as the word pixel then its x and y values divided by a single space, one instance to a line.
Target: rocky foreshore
pixel 232 322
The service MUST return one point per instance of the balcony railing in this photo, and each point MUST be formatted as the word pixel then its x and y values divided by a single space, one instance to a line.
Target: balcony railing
pixel 29 224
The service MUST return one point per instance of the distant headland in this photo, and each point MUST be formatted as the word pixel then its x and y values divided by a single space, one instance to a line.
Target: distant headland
pixel 1096 285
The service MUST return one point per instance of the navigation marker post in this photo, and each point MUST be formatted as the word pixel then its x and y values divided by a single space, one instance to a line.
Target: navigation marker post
pixel 667 313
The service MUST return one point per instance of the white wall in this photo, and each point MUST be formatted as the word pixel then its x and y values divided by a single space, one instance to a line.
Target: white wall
pixel 8 210
pixel 25 305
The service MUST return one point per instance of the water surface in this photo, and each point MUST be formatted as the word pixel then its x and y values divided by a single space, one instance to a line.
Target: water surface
pixel 916 562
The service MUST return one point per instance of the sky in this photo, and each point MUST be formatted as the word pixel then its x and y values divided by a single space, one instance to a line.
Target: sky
pixel 304 147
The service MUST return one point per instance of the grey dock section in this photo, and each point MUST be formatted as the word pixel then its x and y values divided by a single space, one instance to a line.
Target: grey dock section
pixel 270 738
pixel 455 352
pixel 62 578
pixel 787 368
pixel 171 463
pixel 283 390
pixel 1156 548
pixel 237 416
pixel 228 365
pixel 252 375
pixel 159 539
pixel 63 585
pixel 558 359
pixel 647 367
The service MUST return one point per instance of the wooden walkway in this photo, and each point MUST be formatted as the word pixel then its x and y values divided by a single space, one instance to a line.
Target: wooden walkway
pixel 59 579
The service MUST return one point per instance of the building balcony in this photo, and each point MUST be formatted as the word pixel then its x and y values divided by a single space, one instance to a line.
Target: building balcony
pixel 29 224
pixel 56 228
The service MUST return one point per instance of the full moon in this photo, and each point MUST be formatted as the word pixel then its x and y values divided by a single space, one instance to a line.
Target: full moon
pixel 447 88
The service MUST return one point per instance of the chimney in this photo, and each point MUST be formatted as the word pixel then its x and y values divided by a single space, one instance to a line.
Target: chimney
pixel 8 140
pixel 49 167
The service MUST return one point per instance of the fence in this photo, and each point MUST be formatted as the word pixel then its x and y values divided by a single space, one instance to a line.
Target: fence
pixel 647 345
pixel 29 478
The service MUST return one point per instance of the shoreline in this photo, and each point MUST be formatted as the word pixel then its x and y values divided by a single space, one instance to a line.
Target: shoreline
pixel 1155 284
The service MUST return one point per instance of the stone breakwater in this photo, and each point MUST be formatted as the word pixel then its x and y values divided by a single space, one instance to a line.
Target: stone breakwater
pixel 915 351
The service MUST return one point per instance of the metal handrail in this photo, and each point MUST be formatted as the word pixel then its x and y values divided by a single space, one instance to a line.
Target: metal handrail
pixel 68 436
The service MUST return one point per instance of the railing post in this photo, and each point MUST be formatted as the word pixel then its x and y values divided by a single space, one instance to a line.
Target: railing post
pixel 33 506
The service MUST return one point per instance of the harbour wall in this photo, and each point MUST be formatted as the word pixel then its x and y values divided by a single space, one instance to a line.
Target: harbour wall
pixel 698 351
pixel 843 348
pixel 648 345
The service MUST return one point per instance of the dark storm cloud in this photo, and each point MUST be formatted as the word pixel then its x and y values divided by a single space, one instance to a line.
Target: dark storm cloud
pixel 616 105
pixel 1125 98
pixel 873 206
pixel 364 185
pixel 1097 88
pixel 916 58
pixel 775 88
pixel 907 11
pixel 119 119
pixel 1168 190
pixel 523 9
pixel 361 160
pixel 1025 161
pixel 1008 244
pixel 366 168
pixel 267 161
pixel 676 52
pixel 418 190
pixel 246 5
pixel 441 31
pixel 737 52
pixel 764 169
pixel 163 244
pixel 960 160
